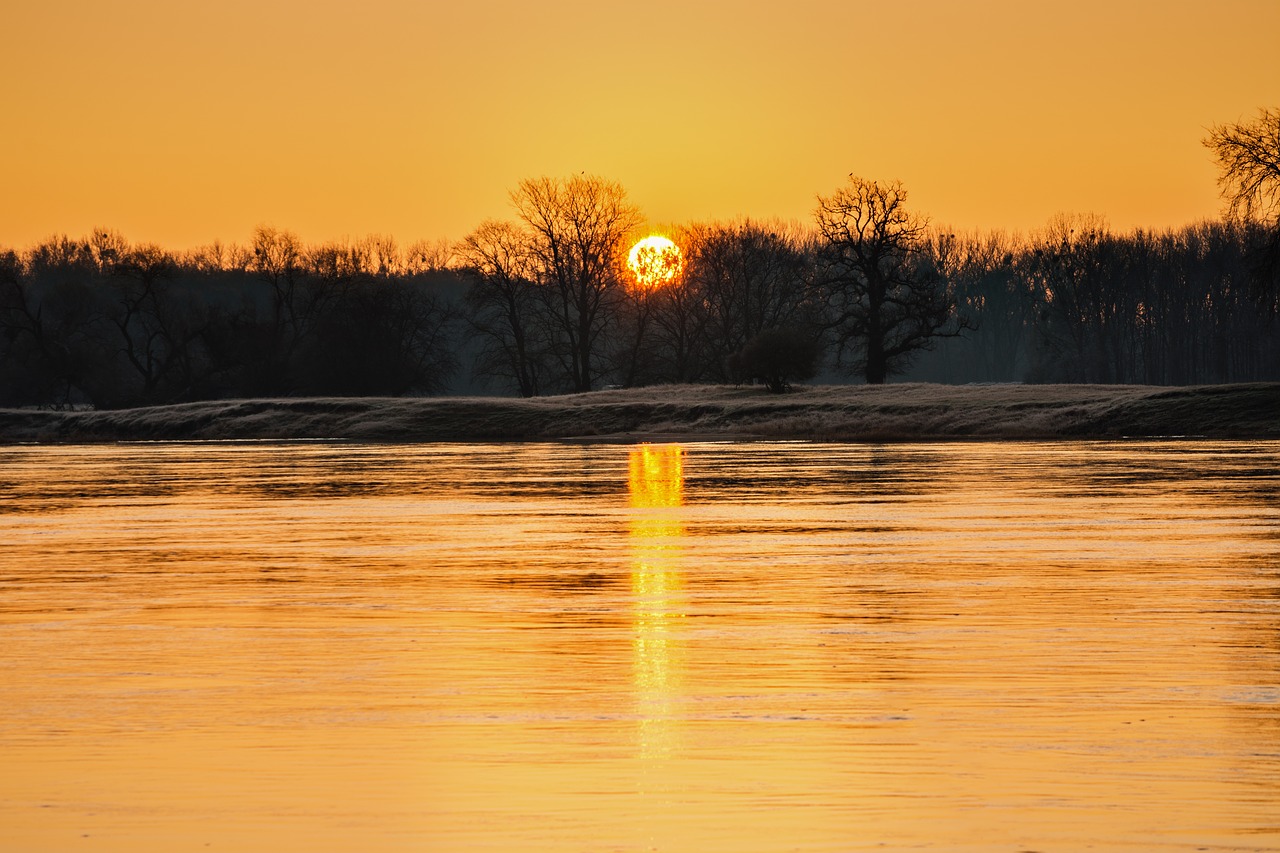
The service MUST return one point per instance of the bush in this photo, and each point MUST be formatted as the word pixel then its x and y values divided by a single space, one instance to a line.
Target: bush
pixel 777 357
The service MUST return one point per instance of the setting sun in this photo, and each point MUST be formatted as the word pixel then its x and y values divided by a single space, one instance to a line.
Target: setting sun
pixel 655 261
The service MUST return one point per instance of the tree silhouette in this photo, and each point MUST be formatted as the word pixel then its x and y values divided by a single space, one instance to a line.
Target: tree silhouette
pixel 984 272
pixel 156 330
pixel 748 277
pixel 1248 156
pixel 578 228
pixel 776 357
pixel 503 308
pixel 888 300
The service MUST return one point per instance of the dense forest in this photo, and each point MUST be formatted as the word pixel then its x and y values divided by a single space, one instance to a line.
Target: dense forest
pixel 99 321
pixel 545 303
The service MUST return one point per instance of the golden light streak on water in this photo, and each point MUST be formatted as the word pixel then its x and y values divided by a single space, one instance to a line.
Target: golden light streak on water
pixel 656 491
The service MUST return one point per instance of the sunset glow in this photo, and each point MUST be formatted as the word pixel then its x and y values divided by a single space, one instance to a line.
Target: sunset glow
pixel 185 123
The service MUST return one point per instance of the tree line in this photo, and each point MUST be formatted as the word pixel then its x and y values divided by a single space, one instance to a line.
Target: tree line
pixel 99 321
pixel 543 303
pixel 871 292
pixel 1079 303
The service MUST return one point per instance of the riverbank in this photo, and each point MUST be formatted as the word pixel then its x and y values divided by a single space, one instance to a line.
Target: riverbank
pixel 906 412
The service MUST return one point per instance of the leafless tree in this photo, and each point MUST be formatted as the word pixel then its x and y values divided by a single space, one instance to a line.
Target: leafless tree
pixel 502 306
pixel 982 271
pixel 158 328
pixel 52 315
pixel 277 258
pixel 109 248
pixel 887 299
pixel 298 300
pixel 675 344
pixel 1248 157
pixel 429 256
pixel 578 228
pixel 748 277
pixel 1073 266
pixel 217 257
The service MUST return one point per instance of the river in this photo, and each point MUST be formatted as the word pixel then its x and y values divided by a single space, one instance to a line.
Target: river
pixel 601 647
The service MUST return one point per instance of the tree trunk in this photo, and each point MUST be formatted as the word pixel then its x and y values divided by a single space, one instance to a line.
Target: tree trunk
pixel 877 364
pixel 877 368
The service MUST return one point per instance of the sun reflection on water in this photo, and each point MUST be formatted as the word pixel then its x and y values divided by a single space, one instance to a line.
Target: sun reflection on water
pixel 656 489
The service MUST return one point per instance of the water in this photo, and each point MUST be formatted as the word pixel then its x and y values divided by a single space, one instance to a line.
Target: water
pixel 714 647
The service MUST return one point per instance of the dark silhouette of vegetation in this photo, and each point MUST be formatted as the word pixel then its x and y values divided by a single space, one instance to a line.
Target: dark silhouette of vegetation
pixel 547 291
pixel 577 230
pixel 504 311
pixel 1248 156
pixel 886 296
pixel 104 323
pixel 1076 302
pixel 739 280
pixel 750 277
pixel 777 357
pixel 543 304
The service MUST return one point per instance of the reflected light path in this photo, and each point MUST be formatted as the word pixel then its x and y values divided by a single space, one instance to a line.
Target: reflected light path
pixel 656 490
pixel 716 647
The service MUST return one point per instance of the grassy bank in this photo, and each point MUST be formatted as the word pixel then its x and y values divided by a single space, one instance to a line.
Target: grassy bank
pixel 857 413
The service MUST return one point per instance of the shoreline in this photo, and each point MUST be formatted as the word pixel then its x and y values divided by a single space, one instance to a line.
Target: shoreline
pixel 852 413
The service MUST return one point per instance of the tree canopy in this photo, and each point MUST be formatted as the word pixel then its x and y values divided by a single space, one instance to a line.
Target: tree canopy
pixel 1248 155
pixel 887 298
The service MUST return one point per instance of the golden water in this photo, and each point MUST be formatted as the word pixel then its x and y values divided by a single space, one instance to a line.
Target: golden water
pixel 714 647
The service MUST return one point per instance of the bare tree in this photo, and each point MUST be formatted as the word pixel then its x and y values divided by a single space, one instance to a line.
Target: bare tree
pixel 159 326
pixel 217 257
pixel 501 303
pixel 1248 157
pixel 53 313
pixel 888 300
pixel 382 254
pixel 300 295
pixel 578 227
pixel 984 274
pixel 1073 267
pixel 429 256
pixel 675 345
pixel 277 258
pixel 109 248
pixel 748 277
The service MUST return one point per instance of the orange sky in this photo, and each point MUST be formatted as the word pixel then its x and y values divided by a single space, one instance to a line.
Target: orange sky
pixel 181 123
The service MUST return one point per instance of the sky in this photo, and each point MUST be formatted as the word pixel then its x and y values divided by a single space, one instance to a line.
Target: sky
pixel 184 123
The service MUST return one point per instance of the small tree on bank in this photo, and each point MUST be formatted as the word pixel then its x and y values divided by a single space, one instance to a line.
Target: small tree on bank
pixel 776 358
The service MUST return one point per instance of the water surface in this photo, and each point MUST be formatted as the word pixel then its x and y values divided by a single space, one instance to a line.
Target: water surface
pixel 710 647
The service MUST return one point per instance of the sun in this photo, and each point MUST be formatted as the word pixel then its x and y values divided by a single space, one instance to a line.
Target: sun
pixel 655 261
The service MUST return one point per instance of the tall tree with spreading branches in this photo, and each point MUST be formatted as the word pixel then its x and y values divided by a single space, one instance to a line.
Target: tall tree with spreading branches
pixel 578 227
pixel 888 300
pixel 1248 155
